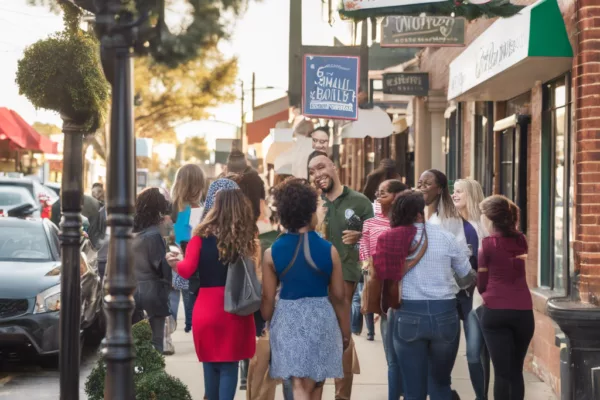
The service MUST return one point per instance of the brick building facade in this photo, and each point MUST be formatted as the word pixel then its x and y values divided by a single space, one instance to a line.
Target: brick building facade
pixel 530 131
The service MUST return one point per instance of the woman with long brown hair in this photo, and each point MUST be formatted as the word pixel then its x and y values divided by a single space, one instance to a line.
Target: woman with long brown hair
pixel 507 317
pixel 221 339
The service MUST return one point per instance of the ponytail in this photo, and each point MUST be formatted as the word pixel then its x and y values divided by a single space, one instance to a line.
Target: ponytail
pixel 503 213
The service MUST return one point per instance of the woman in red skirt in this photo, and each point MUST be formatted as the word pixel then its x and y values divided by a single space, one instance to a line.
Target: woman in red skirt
pixel 221 339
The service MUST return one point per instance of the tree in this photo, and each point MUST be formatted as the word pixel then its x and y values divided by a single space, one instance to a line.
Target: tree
pixel 195 149
pixel 167 97
pixel 46 129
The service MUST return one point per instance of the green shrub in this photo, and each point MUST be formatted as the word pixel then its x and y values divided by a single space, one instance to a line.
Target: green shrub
pixel 150 379
pixel 63 73
pixel 159 385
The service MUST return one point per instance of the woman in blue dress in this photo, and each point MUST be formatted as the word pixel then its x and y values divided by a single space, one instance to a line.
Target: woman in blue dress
pixel 309 328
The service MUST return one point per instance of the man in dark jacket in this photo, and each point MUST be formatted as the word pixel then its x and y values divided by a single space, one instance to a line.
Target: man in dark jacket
pixel 90 210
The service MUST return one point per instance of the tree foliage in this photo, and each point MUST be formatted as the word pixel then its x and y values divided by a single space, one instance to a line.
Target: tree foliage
pixel 167 97
pixel 46 129
pixel 195 149
pixel 63 73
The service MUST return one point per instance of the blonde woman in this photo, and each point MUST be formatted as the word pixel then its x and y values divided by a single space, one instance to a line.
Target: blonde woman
pixel 466 198
pixel 186 195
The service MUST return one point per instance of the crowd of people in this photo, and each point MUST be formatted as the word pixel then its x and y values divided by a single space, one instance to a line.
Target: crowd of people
pixel 328 256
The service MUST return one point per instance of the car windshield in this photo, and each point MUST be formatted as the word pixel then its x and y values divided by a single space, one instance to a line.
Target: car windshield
pixel 13 196
pixel 24 243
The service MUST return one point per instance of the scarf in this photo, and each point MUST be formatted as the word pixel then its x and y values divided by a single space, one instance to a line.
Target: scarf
pixel 213 189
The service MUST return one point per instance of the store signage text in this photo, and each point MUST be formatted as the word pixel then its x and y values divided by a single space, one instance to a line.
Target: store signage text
pixel 407 31
pixel 330 87
pixel 493 54
pixel 406 83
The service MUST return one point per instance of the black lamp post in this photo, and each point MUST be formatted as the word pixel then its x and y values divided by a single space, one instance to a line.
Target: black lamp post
pixel 70 238
pixel 121 33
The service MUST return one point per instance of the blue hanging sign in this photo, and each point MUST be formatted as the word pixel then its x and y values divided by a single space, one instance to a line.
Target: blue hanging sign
pixel 330 87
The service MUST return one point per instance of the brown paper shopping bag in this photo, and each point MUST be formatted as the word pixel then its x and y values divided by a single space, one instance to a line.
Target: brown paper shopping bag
pixel 260 385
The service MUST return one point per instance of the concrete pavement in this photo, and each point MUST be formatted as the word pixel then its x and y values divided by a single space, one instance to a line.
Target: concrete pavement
pixel 371 384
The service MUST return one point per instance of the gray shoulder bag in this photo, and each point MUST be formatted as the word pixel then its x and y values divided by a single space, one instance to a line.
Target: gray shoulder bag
pixel 242 289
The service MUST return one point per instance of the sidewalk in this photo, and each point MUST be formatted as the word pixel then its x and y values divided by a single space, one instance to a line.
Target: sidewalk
pixel 371 384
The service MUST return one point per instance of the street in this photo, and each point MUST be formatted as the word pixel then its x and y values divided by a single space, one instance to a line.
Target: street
pixel 24 381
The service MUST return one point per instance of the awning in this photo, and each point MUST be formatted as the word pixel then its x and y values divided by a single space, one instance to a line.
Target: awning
pixel 35 141
pixel 22 135
pixel 10 130
pixel 279 141
pixel 512 55
pixel 505 123
pixel 375 123
pixel 256 131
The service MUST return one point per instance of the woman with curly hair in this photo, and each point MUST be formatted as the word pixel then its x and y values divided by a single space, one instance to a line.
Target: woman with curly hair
pixel 152 271
pixel 221 339
pixel 310 326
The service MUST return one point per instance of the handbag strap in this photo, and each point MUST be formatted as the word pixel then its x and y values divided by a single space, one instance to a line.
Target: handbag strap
pixel 421 249
pixel 302 240
pixel 289 266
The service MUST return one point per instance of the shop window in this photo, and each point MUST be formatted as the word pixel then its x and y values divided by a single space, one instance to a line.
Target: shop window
pixel 484 145
pixel 556 186
pixel 513 155
pixel 452 144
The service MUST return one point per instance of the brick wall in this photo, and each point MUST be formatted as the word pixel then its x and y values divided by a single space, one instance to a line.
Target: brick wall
pixel 586 75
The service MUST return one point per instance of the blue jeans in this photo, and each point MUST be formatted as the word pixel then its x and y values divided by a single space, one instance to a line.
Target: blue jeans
pixel 220 380
pixel 174 298
pixel 357 317
pixel 425 340
pixel 478 357
pixel 387 336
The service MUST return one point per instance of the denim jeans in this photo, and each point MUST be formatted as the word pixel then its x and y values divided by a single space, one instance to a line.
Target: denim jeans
pixel 425 340
pixel 174 298
pixel 220 380
pixel 357 317
pixel 387 336
pixel 478 357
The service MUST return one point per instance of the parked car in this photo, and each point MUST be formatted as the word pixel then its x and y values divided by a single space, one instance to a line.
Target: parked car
pixel 30 268
pixel 16 191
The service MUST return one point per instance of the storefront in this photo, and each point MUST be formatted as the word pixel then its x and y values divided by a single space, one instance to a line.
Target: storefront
pixel 512 86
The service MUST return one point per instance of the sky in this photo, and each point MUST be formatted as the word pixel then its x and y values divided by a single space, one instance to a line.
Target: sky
pixel 259 40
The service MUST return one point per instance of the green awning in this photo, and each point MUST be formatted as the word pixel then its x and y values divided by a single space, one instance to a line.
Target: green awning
pixel 512 54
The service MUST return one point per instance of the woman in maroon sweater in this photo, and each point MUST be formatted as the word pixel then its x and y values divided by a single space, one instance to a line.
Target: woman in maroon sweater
pixel 507 317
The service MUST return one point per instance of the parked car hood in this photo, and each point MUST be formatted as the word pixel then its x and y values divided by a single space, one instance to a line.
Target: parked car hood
pixel 24 280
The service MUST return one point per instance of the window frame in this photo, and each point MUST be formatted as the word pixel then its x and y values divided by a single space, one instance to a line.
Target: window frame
pixel 485 174
pixel 547 265
pixel 453 144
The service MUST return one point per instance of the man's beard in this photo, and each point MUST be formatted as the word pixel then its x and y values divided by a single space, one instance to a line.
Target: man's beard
pixel 329 187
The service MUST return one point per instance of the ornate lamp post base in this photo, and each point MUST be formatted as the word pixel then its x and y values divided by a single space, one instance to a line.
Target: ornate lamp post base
pixel 581 324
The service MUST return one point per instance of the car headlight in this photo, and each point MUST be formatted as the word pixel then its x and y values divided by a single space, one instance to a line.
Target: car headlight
pixel 48 300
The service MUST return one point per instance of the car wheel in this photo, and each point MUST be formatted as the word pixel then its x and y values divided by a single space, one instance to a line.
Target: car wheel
pixel 49 362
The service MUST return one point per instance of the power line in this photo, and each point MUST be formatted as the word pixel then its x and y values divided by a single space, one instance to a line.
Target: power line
pixel 28 14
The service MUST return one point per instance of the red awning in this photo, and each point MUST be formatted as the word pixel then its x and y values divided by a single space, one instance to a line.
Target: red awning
pixel 10 130
pixel 33 140
pixel 258 130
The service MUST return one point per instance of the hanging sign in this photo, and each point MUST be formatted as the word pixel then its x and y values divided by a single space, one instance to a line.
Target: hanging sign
pixel 427 31
pixel 353 5
pixel 330 87
pixel 406 83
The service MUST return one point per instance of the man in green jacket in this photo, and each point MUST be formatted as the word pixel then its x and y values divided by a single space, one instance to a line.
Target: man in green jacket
pixel 346 211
